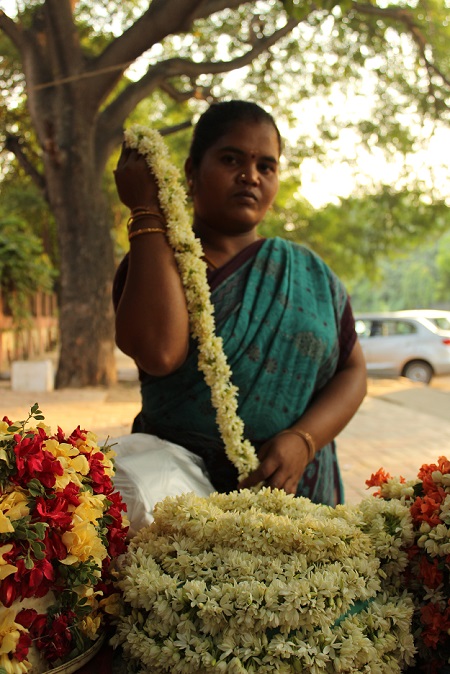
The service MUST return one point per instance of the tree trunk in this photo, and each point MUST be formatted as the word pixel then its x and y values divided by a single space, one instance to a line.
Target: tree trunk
pixel 87 265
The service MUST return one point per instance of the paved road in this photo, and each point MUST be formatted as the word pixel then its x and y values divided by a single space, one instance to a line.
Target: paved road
pixel 399 426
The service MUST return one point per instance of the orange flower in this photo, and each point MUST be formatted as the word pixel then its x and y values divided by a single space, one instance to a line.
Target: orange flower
pixel 426 509
pixel 378 478
pixel 444 465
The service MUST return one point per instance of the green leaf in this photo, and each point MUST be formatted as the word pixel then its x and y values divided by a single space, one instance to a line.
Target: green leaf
pixel 29 564
pixel 36 488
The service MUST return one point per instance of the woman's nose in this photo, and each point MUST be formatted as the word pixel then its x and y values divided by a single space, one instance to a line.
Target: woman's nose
pixel 249 175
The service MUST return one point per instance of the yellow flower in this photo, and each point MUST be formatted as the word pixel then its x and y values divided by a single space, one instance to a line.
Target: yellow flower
pixel 89 626
pixel 9 631
pixel 13 506
pixel 60 449
pixel 82 543
pixel 4 429
pixel 14 666
pixel 91 507
pixel 5 568
pixel 111 604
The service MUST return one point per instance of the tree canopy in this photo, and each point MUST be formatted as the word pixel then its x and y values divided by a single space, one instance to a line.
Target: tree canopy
pixel 74 71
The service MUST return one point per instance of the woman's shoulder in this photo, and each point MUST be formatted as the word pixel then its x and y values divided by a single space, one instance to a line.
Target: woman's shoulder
pixel 296 250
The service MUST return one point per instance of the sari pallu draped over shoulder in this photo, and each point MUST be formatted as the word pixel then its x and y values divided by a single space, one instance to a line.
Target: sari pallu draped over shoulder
pixel 279 315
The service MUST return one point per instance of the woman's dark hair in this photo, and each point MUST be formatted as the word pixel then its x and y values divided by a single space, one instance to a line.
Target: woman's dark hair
pixel 216 121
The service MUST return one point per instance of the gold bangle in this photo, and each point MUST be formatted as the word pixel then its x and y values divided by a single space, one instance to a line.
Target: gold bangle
pixel 139 214
pixel 144 209
pixel 307 437
pixel 146 230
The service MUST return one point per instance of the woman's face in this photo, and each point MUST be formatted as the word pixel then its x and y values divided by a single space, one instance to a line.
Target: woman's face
pixel 237 179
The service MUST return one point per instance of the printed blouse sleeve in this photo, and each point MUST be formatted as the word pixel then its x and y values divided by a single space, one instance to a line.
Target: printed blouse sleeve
pixel 347 334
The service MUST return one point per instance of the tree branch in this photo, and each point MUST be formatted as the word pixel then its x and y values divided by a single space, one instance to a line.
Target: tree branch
pixel 13 144
pixel 159 21
pixel 63 44
pixel 111 120
pixel 406 17
pixel 11 30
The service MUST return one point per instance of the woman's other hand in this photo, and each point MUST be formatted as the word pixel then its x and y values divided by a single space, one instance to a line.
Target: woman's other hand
pixel 136 184
pixel 283 460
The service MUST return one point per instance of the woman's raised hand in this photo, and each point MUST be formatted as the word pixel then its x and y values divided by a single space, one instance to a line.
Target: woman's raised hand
pixel 136 184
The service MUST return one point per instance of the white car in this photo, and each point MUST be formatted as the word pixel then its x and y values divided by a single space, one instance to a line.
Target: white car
pixel 413 344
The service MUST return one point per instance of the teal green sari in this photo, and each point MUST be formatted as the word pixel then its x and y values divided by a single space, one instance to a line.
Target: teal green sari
pixel 279 315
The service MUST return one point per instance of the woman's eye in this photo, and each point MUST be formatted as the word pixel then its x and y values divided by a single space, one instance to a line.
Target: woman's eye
pixel 266 168
pixel 229 160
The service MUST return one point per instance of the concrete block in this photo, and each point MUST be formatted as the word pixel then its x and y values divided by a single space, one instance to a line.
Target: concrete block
pixel 27 375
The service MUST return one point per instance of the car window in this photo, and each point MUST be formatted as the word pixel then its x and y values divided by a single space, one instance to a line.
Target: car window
pixel 362 327
pixel 442 323
pixel 401 328
pixel 383 327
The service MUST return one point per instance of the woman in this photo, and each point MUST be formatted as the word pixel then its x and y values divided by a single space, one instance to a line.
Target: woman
pixel 285 318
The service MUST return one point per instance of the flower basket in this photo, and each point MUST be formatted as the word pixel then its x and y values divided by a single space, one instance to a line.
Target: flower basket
pixel 265 582
pixel 61 526
pixel 77 663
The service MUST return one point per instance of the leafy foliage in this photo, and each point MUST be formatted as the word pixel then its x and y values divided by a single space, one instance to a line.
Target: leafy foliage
pixel 24 267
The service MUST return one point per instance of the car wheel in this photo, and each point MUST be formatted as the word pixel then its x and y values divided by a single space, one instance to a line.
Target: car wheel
pixel 418 370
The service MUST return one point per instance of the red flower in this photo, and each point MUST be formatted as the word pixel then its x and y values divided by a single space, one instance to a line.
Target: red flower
pixel 72 494
pixel 34 582
pixel 57 641
pixel 430 574
pixel 9 591
pixel 54 547
pixel 33 621
pixel 436 624
pixel 53 511
pixel 22 648
pixel 33 462
pixel 101 483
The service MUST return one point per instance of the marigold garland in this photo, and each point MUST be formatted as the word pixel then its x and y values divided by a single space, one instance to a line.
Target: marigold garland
pixel 188 254
pixel 61 525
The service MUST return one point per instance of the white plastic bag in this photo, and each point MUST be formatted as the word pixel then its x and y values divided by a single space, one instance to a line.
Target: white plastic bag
pixel 148 469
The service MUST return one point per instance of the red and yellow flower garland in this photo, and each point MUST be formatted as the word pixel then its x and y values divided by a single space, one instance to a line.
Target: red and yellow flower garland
pixel 61 525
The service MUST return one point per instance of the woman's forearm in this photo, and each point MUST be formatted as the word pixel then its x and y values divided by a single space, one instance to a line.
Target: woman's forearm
pixel 337 402
pixel 152 324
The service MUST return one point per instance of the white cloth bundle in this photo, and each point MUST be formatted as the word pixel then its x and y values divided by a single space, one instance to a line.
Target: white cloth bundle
pixel 148 469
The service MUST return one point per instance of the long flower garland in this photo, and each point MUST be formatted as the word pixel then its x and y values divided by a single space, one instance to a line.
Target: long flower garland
pixel 188 254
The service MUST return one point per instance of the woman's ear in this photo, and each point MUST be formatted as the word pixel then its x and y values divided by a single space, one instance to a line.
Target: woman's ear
pixel 188 172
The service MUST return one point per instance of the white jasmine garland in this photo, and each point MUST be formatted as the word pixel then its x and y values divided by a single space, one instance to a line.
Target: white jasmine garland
pixel 263 582
pixel 188 254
